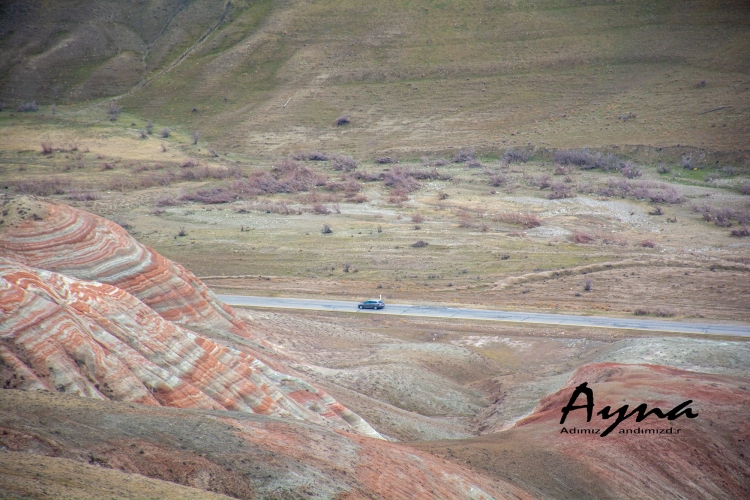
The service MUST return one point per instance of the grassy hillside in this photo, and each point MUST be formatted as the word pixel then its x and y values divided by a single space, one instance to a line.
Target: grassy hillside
pixel 268 78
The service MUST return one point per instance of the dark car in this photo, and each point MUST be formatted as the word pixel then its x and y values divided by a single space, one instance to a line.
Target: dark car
pixel 372 304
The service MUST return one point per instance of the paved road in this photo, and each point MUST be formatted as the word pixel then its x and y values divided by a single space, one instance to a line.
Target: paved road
pixel 491 315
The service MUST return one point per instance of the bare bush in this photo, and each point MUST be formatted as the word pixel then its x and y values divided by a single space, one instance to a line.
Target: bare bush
pixel 383 160
pixel 114 110
pixel 528 221
pixel 740 233
pixel 165 132
pixel 654 192
pixel 663 169
pixel 559 190
pixel 143 133
pixel 464 155
pixel 43 187
pixel 497 179
pixel 417 218
pixel 420 244
pixel 630 171
pixel 581 237
pixel 587 284
pixel 343 120
pixel 196 135
pixel 745 188
pixel 364 176
pixel 723 216
pixel 583 159
pixel 27 107
pixel 311 156
pixel 47 148
pixel 360 198
pixel 213 195
pixel 84 195
pixel 158 211
pixel 213 152
pixel 400 180
pixel 182 233
pixel 320 209
pixel 648 244
pixel 166 201
pixel 326 229
pixel 542 181
pixel 516 155
pixel 465 219
pixel 345 163
pixel 149 127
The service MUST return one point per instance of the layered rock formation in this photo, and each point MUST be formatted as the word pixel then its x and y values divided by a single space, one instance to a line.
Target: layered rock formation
pixel 136 330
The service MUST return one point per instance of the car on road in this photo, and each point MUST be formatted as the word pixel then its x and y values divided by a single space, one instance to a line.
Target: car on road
pixel 372 304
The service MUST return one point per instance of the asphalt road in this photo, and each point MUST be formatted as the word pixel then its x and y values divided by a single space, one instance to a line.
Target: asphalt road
pixel 491 315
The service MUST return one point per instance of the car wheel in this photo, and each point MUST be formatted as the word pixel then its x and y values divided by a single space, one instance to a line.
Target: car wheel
pixel 361 307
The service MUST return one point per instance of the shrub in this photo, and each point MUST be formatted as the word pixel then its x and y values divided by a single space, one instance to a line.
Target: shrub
pixel 516 155
pixel 417 218
pixel 27 107
pixel 344 163
pixel 465 219
pixel 528 221
pixel 326 229
pixel 740 233
pixel 167 201
pixel 420 244
pixel 320 209
pixel 581 237
pixel 648 244
pixel 630 171
pixel 583 159
pixel 497 179
pixel 114 110
pixel 158 211
pixel 165 132
pixel 343 120
pixel 464 155
pixel 196 136
pixel 311 156
pixel 47 148
pixel 542 181
pixel 87 195
pixel 641 311
pixel 43 187
pixel 400 180
pixel 558 190
pixel 143 133
pixel 360 198
pixel 745 188
pixel 149 127
pixel 662 312
pixel 182 232
pixel 383 160
pixel 213 195
pixel 663 169
pixel 587 285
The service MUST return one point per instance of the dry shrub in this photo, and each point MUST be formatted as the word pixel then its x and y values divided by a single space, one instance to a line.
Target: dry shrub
pixel 166 201
pixel 365 176
pixel 630 171
pixel 326 229
pixel 474 164
pixel 465 219
pixel 745 188
pixel 211 195
pixel 277 207
pixel 420 244
pixel 648 244
pixel 464 155
pixel 417 218
pixel 84 195
pixel 158 211
pixel 740 233
pixel 542 181
pixel 286 177
pixel 310 156
pixel 28 107
pixel 47 148
pixel 43 187
pixel 655 192
pixel 189 163
pixel 114 110
pixel 516 155
pixel 724 216
pixel 641 311
pixel 345 163
pixel 383 160
pixel 360 198
pixel 528 221
pixel 497 179
pixel 583 159
pixel 581 237
pixel 399 179
pixel 661 312
pixel 343 120
pixel 559 190
pixel 165 132
pixel 560 170
pixel 320 209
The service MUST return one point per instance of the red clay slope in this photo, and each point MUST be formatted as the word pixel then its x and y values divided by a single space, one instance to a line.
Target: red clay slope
pixel 708 458
pixel 98 340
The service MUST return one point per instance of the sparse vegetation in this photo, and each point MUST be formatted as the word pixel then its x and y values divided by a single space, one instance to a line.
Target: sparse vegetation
pixel 343 120
pixel 114 110
pixel 326 229
pixel 420 244
pixel 464 155
pixel 28 107
pixel 516 155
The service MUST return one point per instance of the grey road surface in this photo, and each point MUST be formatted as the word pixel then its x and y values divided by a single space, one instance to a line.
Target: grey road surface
pixel 490 315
